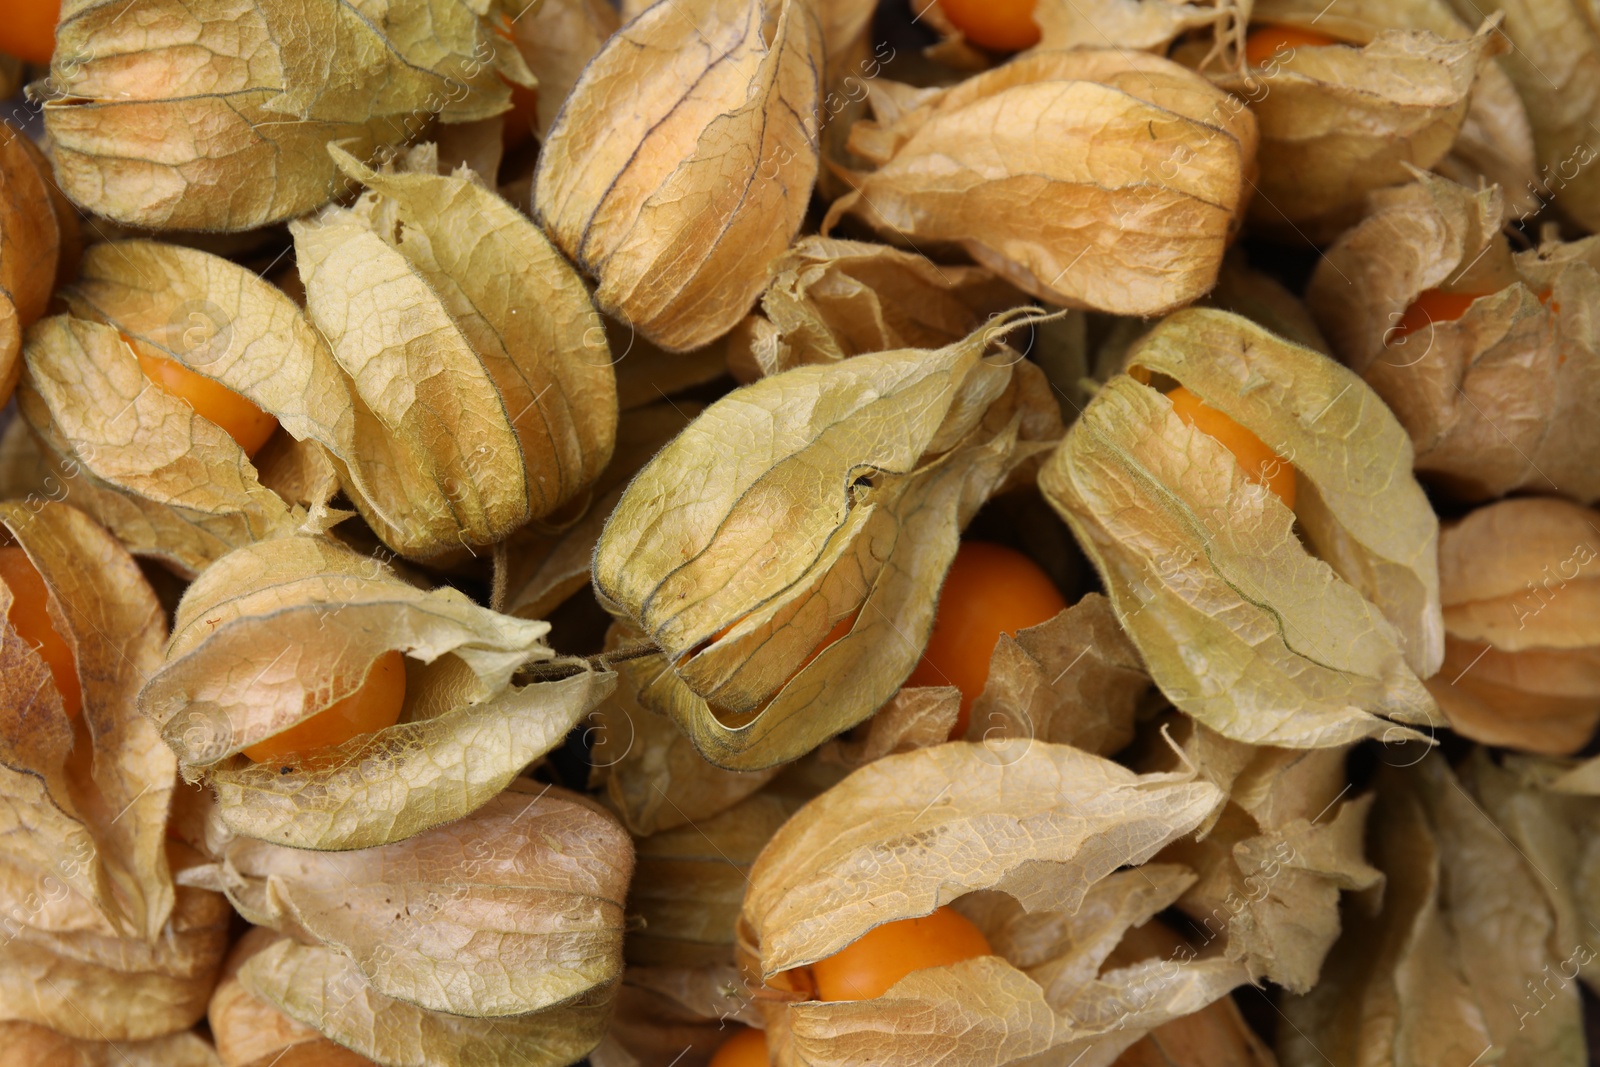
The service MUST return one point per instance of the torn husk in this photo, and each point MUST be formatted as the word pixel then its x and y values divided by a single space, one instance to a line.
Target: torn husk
pixel 1132 198
pixel 870 467
pixel 1495 400
pixel 1238 622
pixel 273 634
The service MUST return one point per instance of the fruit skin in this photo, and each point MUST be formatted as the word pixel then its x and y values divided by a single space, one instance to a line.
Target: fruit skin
pixel 243 421
pixel 1002 25
pixel 1261 464
pixel 373 707
pixel 1431 306
pixel 879 958
pixel 746 1048
pixel 1265 42
pixel 28 29
pixel 30 617
pixel 989 590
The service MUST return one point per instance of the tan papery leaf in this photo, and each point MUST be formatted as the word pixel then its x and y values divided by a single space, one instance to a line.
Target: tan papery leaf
pixel 1113 222
pixel 269 85
pixel 491 380
pixel 1491 399
pixel 277 632
pixel 681 164
pixel 249 1032
pixel 1238 622
pixel 27 1045
pixel 869 468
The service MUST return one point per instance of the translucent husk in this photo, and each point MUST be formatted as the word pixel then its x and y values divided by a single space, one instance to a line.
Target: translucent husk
pixel 492 941
pixel 1132 199
pixel 274 633
pixel 870 467
pixel 1238 622
pixel 1520 584
pixel 1496 400
pixel 269 85
pixel 100 946
pixel 682 160
pixel 38 244
pixel 28 1045
pixel 1049 828
pixel 831 299
pixel 557 38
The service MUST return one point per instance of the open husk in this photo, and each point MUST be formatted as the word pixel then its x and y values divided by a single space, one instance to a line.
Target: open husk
pixel 831 299
pixel 1030 850
pixel 478 365
pixel 274 633
pixel 1520 585
pixel 681 164
pixel 38 242
pixel 215 114
pixel 1130 200
pixel 1496 400
pixel 100 945
pixel 869 468
pixel 494 940
pixel 1238 622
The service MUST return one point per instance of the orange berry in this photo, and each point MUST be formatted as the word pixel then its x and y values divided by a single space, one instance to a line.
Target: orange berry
pixel 30 617
pixel 1001 25
pixel 746 1048
pixel 1431 306
pixel 28 30
pixel 212 401
pixel 868 966
pixel 374 706
pixel 1261 464
pixel 989 590
pixel 1265 42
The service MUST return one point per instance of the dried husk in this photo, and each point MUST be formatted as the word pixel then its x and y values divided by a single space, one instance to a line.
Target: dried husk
pixel 36 233
pixel 1496 400
pixel 1520 585
pixel 1338 122
pixel 1272 866
pixel 682 164
pixel 99 946
pixel 1264 300
pixel 274 633
pixel 27 1045
pixel 664 1012
pixel 852 484
pixel 1238 623
pixel 490 390
pixel 252 1033
pixel 1130 198
pixel 165 480
pixel 1215 1036
pixel 831 299
pixel 493 941
pixel 1453 964
pixel 1146 25
pixel 1031 846
pixel 215 114
pixel 557 38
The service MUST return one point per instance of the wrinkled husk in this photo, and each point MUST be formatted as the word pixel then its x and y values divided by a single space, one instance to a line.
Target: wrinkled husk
pixel 28 1045
pixel 1458 961
pixel 1149 25
pixel 1029 849
pixel 493 941
pixel 1272 866
pixel 1264 300
pixel 831 299
pixel 506 406
pixel 166 481
pixel 682 164
pixel 1130 199
pixel 274 633
pixel 249 1032
pixel 664 1012
pixel 557 38
pixel 215 114
pixel 1240 625
pixel 869 468
pixel 1215 1036
pixel 1338 122
pixel 38 238
pixel 1495 139
pixel 99 945
pixel 1520 585
pixel 1499 399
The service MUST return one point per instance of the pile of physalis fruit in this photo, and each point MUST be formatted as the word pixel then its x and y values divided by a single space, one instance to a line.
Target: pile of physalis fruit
pixel 1033 532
